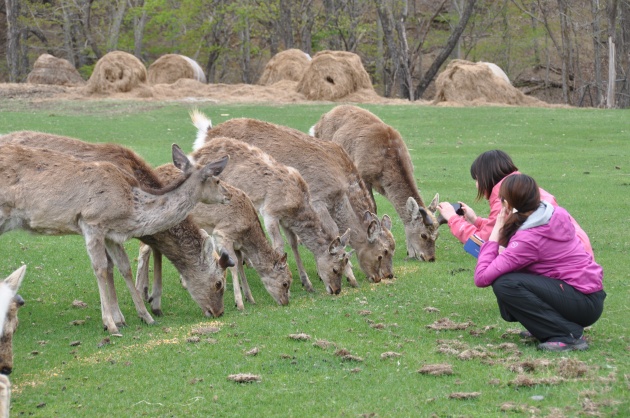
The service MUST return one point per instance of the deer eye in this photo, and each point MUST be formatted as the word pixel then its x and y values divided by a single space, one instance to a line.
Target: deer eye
pixel 335 270
pixel 285 285
pixel 386 252
pixel 218 285
pixel 424 236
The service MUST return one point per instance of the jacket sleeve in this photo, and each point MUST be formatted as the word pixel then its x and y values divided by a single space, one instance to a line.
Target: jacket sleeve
pixel 491 265
pixel 461 229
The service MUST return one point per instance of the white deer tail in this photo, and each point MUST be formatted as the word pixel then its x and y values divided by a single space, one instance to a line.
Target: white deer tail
pixel 311 131
pixel 203 125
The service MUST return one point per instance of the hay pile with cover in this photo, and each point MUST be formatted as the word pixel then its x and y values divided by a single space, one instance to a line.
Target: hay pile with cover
pixel 333 75
pixel 119 72
pixel 476 83
pixel 286 65
pixel 54 71
pixel 172 67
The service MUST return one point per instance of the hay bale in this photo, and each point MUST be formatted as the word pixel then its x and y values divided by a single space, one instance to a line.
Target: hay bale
pixel 54 71
pixel 286 65
pixel 172 67
pixel 333 75
pixel 117 72
pixel 468 82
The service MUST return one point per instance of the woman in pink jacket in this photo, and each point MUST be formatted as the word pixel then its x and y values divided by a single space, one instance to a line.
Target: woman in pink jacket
pixel 489 170
pixel 539 269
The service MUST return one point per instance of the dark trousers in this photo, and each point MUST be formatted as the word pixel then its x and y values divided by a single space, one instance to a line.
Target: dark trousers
pixel 548 308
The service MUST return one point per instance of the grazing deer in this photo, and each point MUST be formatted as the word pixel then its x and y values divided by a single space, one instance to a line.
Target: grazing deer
pixel 337 191
pixel 237 229
pixel 384 163
pixel 52 193
pixel 10 301
pixel 282 198
pixel 188 247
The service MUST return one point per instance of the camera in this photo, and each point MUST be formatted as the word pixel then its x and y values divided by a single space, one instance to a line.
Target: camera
pixel 458 209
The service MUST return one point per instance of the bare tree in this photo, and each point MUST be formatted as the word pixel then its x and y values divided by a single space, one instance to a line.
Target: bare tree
pixel 612 74
pixel 448 48
pixel 597 51
pixel 13 40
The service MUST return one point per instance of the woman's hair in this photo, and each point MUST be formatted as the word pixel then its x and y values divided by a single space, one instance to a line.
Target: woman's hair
pixel 489 169
pixel 522 193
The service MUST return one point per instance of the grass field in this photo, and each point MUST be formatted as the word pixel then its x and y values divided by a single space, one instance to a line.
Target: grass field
pixel 67 368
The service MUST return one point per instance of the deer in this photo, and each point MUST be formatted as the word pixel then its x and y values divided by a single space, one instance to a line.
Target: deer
pixel 237 229
pixel 51 193
pixel 282 197
pixel 10 302
pixel 337 191
pixel 189 248
pixel 383 161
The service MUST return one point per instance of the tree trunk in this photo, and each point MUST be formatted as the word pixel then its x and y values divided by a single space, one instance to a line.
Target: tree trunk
pixel 139 22
pixel 597 52
pixel 391 62
pixel 612 74
pixel 13 40
pixel 245 52
pixel 114 32
pixel 624 63
pixel 427 78
pixel 86 24
pixel 286 24
pixel 566 48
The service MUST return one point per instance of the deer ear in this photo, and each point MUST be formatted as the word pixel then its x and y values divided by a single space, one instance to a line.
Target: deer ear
pixel 412 207
pixel 374 229
pixel 345 238
pixel 434 202
pixel 216 167
pixel 282 263
pixel 15 279
pixel 180 160
pixel 386 222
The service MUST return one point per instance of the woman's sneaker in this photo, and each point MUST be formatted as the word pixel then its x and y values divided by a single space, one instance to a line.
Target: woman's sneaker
pixel 526 335
pixel 579 344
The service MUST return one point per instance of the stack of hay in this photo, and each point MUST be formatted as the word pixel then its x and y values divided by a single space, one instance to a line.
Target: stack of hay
pixel 118 72
pixel 172 67
pixel 55 71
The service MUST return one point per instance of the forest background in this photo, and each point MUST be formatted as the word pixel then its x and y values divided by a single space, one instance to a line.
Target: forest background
pixel 573 52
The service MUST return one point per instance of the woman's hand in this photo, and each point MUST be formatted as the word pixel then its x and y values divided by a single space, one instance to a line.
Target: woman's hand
pixel 446 210
pixel 503 213
pixel 469 213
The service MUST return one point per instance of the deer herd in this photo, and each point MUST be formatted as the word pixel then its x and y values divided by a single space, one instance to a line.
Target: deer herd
pixel 203 211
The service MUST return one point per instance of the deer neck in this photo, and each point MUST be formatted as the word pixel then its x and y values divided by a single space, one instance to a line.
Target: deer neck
pixel 155 213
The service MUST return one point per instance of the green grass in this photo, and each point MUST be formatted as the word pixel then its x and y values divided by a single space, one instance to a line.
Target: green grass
pixel 579 155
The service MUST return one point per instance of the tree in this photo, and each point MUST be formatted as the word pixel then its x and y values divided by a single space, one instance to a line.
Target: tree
pixel 13 40
pixel 447 49
pixel 612 75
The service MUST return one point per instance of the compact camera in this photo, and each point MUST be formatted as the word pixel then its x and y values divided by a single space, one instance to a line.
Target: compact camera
pixel 458 209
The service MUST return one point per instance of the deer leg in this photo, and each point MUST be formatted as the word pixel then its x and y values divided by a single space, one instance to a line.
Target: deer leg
pixel 156 291
pixel 114 307
pixel 293 242
pixel 273 229
pixel 142 274
pixel 5 395
pixel 227 245
pixel 347 271
pixel 244 285
pixel 98 257
pixel 118 254
pixel 369 187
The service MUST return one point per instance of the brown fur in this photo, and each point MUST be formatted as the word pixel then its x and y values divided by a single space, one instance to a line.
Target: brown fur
pixel 337 191
pixel 282 197
pixel 382 158
pixel 97 200
pixel 184 245
pixel 237 229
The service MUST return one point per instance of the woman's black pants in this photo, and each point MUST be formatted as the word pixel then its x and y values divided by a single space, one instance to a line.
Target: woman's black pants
pixel 548 308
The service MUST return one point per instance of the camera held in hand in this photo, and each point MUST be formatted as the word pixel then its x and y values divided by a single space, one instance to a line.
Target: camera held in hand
pixel 458 208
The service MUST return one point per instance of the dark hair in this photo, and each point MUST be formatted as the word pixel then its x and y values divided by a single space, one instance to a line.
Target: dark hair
pixel 489 169
pixel 522 193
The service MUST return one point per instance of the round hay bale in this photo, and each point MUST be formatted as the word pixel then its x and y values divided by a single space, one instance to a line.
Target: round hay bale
pixel 333 75
pixel 286 65
pixel 466 82
pixel 54 71
pixel 497 71
pixel 117 72
pixel 171 67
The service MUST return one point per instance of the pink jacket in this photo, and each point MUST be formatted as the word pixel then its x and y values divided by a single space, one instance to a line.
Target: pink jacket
pixel 483 226
pixel 552 250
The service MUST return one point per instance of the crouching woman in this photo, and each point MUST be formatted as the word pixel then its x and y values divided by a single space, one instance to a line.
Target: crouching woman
pixel 540 272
